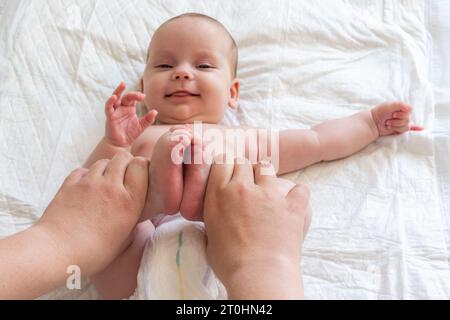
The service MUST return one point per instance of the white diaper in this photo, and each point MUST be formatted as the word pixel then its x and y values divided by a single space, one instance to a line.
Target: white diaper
pixel 174 264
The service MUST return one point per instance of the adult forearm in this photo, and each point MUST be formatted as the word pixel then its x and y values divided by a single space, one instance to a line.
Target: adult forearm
pixel 104 150
pixel 343 137
pixel 31 265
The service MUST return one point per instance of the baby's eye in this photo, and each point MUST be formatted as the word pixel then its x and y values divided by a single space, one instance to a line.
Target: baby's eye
pixel 204 66
pixel 164 66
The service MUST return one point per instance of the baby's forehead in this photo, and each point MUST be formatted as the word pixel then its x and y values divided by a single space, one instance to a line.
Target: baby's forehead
pixel 168 51
pixel 158 47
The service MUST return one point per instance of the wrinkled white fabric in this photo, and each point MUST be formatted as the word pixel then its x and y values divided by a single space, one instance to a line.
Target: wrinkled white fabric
pixel 379 228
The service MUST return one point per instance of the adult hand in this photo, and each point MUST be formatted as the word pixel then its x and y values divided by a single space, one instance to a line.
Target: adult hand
pixel 94 212
pixel 255 232
pixel 88 223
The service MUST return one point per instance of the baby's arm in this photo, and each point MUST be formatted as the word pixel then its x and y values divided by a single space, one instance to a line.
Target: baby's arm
pixel 336 139
pixel 122 125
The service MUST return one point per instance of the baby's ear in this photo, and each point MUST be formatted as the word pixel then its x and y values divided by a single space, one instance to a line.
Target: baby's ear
pixel 234 94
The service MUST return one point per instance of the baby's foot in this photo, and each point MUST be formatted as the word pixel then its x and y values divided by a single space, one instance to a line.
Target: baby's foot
pixel 166 172
pixel 196 175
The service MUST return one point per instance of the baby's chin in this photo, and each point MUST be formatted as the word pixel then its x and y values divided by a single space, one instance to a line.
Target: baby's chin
pixel 174 119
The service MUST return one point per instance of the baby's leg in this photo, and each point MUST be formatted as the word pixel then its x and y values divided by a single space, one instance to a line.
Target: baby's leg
pixel 119 279
pixel 196 176
pixel 166 173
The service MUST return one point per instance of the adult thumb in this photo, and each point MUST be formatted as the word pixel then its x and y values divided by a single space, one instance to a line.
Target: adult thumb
pixel 298 199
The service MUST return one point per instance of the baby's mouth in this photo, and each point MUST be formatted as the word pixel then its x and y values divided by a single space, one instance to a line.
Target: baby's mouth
pixel 182 94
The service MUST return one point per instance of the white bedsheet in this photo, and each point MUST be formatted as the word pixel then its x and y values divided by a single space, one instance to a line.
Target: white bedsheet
pixel 439 28
pixel 380 217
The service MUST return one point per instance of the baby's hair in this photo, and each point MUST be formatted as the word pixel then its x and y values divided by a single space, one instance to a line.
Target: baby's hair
pixel 234 48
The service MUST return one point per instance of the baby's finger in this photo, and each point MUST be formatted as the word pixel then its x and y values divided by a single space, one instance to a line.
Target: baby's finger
pixel 120 89
pixel 130 98
pixel 405 107
pixel 109 106
pixel 401 129
pixel 148 119
pixel 415 127
pixel 401 115
pixel 396 123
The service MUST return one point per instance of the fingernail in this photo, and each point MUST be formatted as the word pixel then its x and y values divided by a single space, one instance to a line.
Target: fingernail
pixel 266 168
pixel 264 163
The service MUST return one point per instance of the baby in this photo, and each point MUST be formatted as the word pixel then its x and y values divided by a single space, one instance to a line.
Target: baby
pixel 190 77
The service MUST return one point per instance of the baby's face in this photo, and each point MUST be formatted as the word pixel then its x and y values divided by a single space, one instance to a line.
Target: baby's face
pixel 190 55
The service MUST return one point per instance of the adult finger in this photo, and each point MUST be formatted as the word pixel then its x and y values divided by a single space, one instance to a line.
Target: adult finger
pixel 243 171
pixel 136 181
pixel 75 176
pixel 265 175
pixel 115 170
pixel 220 174
pixel 298 199
pixel 97 169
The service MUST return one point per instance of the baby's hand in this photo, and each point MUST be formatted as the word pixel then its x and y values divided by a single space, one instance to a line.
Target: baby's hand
pixel 122 124
pixel 393 118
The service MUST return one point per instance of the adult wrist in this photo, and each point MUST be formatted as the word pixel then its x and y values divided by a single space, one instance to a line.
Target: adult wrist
pixel 275 278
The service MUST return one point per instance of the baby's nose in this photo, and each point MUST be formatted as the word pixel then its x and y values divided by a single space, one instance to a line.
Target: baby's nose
pixel 182 74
